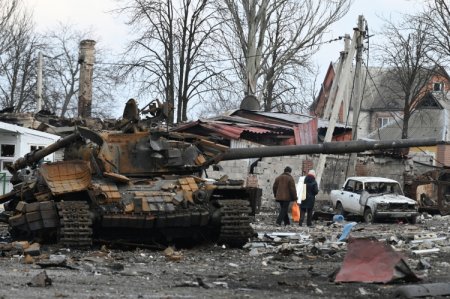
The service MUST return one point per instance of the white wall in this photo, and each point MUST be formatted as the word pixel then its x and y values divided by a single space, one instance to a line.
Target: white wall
pixel 22 143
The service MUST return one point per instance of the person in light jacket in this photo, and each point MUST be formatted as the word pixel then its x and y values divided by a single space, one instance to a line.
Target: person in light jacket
pixel 284 192
pixel 307 205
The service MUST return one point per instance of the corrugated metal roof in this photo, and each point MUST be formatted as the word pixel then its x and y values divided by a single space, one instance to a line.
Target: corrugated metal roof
pixel 252 122
pixel 257 123
pixel 298 118
pixel 234 131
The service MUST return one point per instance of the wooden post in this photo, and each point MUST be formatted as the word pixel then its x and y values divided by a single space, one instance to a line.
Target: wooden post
pixel 86 59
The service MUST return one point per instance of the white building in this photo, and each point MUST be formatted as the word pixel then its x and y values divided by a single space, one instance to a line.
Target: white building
pixel 15 142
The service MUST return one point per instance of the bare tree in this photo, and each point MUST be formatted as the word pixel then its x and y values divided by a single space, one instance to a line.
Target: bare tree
pixel 8 9
pixel 271 42
pixel 169 56
pixel 407 55
pixel 437 16
pixel 17 59
pixel 61 74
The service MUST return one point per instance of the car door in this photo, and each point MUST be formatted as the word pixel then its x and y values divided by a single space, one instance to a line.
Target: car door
pixel 352 195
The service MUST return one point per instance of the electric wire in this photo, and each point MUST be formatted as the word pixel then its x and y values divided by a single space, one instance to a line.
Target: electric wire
pixel 225 59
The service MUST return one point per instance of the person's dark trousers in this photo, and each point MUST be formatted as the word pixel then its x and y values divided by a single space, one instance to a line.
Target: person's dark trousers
pixel 283 214
pixel 308 213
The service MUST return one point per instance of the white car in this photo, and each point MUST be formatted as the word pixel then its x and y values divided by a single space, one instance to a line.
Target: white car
pixel 374 198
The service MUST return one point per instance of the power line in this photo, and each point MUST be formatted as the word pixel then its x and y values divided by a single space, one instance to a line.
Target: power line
pixel 225 59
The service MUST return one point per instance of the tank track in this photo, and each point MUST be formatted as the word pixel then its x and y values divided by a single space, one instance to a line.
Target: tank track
pixel 76 224
pixel 235 228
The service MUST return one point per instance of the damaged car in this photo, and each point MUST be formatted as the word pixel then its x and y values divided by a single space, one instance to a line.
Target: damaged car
pixel 374 198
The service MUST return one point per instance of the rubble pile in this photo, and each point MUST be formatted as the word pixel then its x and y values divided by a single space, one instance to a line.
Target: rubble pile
pixel 278 261
pixel 431 234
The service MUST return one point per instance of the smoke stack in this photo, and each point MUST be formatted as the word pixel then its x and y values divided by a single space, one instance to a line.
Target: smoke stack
pixel 86 60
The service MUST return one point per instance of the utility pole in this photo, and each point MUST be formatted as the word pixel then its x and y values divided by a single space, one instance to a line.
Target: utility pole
pixel 337 77
pixel 357 96
pixel 39 83
pixel 86 60
pixel 347 58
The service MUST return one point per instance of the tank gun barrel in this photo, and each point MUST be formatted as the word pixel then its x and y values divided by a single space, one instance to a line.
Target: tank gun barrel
pixel 335 147
pixel 33 157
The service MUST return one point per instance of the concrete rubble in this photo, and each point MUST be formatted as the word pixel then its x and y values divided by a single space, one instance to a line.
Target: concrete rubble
pixel 278 261
pixel 324 238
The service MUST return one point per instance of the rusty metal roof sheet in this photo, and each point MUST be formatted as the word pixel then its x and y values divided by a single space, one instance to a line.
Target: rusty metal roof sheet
pixel 368 260
pixel 234 131
pixel 233 127
pixel 293 118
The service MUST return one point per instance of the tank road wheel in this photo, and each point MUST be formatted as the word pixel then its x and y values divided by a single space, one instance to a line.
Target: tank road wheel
pixel 368 216
pixel 235 228
pixel 76 224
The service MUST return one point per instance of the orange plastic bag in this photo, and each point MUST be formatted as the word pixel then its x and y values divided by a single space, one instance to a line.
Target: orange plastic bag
pixel 295 211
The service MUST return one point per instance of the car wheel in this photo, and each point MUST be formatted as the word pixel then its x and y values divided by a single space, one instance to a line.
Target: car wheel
pixel 368 216
pixel 413 220
pixel 340 209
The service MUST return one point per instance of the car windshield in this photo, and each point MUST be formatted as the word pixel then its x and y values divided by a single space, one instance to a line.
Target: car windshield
pixel 383 187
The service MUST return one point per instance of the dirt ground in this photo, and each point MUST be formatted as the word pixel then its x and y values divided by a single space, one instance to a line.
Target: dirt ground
pixel 265 268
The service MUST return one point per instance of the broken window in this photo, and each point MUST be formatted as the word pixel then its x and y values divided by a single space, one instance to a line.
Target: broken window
pixel 350 186
pixel 438 86
pixel 384 121
pixel 8 150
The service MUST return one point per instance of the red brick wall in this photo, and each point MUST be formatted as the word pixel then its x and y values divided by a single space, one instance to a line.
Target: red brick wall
pixel 443 154
pixel 307 165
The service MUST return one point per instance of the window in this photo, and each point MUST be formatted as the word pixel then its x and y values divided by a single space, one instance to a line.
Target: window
pixel 350 186
pixel 438 86
pixel 7 150
pixel 383 121
pixel 5 165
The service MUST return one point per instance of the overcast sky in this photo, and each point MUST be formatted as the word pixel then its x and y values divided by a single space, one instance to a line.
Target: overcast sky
pixel 111 32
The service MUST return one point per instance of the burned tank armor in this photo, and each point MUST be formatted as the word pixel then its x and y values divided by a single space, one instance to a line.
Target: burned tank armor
pixel 144 186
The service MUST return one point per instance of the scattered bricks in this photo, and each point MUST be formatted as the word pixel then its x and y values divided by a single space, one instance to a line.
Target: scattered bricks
pixel 33 250
pixel 32 207
pixel 17 220
pixel 21 206
pixel 6 247
pixel 20 245
pixel 28 259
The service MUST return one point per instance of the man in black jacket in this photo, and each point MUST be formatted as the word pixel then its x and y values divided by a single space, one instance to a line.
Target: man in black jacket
pixel 307 205
pixel 284 192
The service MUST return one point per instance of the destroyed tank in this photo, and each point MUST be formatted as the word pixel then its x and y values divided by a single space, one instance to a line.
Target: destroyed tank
pixel 142 184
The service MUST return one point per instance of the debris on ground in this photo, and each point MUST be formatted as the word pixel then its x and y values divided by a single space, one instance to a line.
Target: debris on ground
pixel 40 280
pixel 368 260
pixel 277 262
